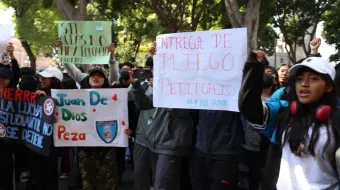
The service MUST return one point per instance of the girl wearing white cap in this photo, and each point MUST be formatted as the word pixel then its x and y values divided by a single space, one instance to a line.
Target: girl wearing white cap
pixel 50 78
pixel 305 126
pixel 45 169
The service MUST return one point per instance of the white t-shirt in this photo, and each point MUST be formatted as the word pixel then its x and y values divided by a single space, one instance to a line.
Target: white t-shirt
pixel 306 172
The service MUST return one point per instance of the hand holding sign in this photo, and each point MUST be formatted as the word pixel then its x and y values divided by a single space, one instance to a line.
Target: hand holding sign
pixel 128 132
pixel 10 50
pixel 58 44
pixel 91 118
pixel 153 48
pixel 40 93
pixel 8 55
pixel 199 70
pixel 85 42
pixel 112 48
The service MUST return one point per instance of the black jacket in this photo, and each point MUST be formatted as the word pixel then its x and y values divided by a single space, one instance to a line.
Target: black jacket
pixel 219 132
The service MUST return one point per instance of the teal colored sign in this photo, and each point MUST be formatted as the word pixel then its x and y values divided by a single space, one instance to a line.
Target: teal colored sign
pixel 84 42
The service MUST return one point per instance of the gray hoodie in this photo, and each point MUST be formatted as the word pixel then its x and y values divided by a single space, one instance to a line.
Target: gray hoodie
pixel 162 130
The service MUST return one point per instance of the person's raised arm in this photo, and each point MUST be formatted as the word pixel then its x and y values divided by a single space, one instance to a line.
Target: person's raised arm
pixel 114 69
pixel 250 103
pixel 14 64
pixel 314 46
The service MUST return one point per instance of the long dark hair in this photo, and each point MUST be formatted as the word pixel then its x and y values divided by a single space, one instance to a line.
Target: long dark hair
pixel 294 129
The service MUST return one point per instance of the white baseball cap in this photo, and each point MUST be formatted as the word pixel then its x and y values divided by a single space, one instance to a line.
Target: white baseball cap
pixel 52 72
pixel 317 64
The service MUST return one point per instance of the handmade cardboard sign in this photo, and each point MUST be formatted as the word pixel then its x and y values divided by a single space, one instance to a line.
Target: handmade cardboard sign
pixel 91 117
pixel 26 119
pixel 85 42
pixel 6 32
pixel 199 70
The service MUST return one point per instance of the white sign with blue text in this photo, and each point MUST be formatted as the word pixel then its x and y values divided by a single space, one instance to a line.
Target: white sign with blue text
pixel 91 118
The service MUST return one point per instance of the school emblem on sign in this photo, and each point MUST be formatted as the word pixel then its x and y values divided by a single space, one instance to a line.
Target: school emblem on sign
pixel 107 130
pixel 2 131
pixel 5 58
pixel 48 107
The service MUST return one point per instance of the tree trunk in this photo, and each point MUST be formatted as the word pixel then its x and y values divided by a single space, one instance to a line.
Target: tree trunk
pixel 70 11
pixel 30 54
pixel 172 19
pixel 73 13
pixel 250 20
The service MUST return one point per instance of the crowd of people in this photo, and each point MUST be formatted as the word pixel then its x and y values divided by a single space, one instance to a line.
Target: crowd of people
pixel 285 136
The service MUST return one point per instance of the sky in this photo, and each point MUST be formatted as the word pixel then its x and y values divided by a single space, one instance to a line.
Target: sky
pixel 6 16
pixel 325 49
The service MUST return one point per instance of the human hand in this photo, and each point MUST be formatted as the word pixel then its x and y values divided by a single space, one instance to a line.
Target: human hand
pixel 260 55
pixel 112 48
pixel 115 84
pixel 153 49
pixel 132 78
pixel 10 49
pixel 314 45
pixel 40 93
pixel 151 82
pixel 128 132
pixel 58 44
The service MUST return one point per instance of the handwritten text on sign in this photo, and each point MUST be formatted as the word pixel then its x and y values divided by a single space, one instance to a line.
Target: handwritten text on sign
pixel 85 42
pixel 199 70
pixel 26 119
pixel 91 118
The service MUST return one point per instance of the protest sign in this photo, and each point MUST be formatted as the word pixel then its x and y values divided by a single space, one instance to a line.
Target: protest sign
pixel 6 32
pixel 26 119
pixel 199 70
pixel 91 118
pixel 85 42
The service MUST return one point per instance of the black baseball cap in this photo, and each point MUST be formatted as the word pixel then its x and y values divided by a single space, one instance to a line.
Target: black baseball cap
pixel 97 70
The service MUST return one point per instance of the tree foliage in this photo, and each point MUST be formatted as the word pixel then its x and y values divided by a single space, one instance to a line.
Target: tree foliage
pixel 36 26
pixel 135 26
pixel 298 22
pixel 136 23
pixel 331 29
pixel 39 28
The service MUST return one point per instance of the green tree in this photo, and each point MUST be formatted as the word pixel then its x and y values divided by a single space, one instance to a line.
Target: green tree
pixel 135 26
pixel 331 29
pixel 298 22
pixel 35 26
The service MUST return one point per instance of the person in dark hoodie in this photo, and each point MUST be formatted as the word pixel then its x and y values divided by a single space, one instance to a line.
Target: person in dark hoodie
pixel 218 145
pixel 6 150
pixel 124 82
pixel 45 173
pixel 97 164
pixel 29 81
pixel 253 153
pixel 167 135
pixel 9 78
